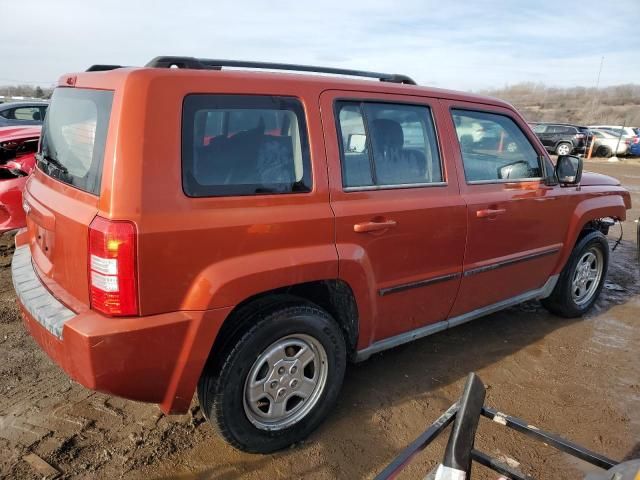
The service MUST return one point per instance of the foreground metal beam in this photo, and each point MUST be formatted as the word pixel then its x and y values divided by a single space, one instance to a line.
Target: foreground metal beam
pixel 419 443
pixel 497 466
pixel 549 438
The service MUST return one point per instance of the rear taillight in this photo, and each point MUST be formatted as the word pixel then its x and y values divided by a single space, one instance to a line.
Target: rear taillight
pixel 636 140
pixel 112 267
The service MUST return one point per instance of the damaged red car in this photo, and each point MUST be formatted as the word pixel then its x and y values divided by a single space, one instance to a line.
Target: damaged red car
pixel 17 149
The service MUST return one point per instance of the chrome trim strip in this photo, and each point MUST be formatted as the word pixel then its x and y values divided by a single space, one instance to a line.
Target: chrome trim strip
pixel 425 331
pixel 505 180
pixel 34 297
pixel 420 283
pixel 365 188
pixel 506 263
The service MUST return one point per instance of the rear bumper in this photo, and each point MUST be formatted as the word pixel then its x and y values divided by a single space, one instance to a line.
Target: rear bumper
pixel 155 359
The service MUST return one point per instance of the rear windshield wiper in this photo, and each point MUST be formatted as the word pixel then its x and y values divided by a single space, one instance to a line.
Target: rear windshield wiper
pixel 48 161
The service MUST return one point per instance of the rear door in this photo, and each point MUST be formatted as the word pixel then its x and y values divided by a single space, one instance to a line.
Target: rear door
pixel 400 221
pixel 62 196
pixel 516 223
pixel 543 132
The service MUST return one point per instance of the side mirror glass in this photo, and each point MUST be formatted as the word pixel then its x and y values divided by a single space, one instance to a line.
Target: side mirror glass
pixel 569 169
pixel 356 143
pixel 519 169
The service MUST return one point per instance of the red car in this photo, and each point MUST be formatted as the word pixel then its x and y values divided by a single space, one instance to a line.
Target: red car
pixel 17 159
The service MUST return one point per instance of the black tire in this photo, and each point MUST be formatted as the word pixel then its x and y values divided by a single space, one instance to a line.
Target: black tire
pixel 221 390
pixel 561 301
pixel 560 146
pixel 603 151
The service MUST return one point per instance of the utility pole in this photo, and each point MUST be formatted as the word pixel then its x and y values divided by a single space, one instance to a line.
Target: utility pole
pixel 615 154
pixel 599 72
pixel 595 95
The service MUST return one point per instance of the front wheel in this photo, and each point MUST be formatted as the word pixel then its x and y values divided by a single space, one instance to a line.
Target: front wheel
pixel 278 381
pixel 582 278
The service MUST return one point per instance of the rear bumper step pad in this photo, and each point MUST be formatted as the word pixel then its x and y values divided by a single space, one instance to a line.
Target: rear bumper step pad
pixel 33 295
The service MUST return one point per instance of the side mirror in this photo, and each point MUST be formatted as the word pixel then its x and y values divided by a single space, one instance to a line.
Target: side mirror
pixel 356 143
pixel 569 169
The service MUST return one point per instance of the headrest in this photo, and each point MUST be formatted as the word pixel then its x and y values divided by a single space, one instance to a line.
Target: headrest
pixel 388 133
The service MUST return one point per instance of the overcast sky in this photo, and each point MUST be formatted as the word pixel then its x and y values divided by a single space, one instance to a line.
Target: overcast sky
pixel 445 43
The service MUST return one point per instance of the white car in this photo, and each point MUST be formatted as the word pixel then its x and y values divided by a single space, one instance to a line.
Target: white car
pixel 607 142
pixel 627 132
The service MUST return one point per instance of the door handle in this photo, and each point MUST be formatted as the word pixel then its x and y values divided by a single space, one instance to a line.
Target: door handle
pixel 365 227
pixel 490 212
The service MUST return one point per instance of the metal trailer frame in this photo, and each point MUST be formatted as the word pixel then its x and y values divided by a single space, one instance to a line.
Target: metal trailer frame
pixel 465 424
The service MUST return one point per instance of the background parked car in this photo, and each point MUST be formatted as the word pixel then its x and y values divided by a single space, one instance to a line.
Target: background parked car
pixel 562 138
pixel 628 135
pixel 22 113
pixel 607 142
pixel 634 145
pixel 17 160
pixel 627 132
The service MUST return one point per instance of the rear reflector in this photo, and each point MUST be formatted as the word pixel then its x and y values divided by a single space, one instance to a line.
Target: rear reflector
pixel 112 267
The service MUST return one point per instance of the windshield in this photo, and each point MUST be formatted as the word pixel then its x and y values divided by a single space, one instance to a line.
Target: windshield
pixel 73 137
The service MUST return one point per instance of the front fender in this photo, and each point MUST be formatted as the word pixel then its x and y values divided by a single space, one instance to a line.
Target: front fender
pixel 610 204
pixel 229 282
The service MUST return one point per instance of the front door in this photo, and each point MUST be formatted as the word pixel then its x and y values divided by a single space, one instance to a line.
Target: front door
pixel 400 221
pixel 517 223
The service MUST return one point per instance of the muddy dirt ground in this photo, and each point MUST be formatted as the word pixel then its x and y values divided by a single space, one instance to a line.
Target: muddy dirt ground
pixel 580 378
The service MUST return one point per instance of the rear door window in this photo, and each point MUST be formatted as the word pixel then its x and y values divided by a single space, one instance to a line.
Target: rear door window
pixel 503 154
pixel 386 144
pixel 74 135
pixel 244 145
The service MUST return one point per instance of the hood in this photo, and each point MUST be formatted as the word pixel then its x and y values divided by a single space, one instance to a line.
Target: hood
pixel 591 179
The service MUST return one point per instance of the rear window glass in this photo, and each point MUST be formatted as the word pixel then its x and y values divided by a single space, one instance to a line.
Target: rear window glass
pixel 74 135
pixel 244 145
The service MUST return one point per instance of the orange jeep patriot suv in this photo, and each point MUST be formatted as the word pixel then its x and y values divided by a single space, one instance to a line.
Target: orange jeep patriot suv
pixel 247 233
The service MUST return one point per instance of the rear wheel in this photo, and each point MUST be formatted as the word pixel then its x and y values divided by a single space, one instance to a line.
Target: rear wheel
pixel 277 381
pixel 603 151
pixel 564 149
pixel 582 278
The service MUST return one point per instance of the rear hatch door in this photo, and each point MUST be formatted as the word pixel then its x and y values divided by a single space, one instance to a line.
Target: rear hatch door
pixel 62 196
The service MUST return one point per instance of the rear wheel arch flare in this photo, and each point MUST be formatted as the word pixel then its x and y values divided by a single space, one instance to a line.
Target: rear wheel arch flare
pixel 334 296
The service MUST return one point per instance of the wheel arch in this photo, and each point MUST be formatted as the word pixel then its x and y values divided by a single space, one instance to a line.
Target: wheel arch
pixel 335 296
pixel 559 142
pixel 584 219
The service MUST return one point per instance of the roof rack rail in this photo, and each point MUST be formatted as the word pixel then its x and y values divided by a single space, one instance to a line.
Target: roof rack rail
pixel 215 64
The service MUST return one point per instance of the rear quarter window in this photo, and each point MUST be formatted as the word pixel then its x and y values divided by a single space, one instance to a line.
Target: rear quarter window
pixel 244 145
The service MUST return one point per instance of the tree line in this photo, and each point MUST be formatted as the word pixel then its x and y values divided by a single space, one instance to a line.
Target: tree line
pixel 614 105
pixel 32 91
